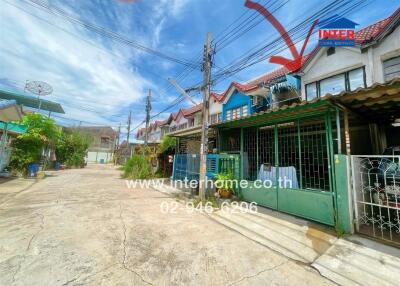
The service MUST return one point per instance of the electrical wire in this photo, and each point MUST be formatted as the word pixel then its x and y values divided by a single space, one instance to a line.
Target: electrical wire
pixel 51 9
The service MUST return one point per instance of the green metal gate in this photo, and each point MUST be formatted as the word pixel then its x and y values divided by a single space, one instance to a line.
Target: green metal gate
pixel 300 151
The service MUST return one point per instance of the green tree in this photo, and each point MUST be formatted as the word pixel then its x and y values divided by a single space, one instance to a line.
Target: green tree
pixel 42 133
pixel 72 147
pixel 167 145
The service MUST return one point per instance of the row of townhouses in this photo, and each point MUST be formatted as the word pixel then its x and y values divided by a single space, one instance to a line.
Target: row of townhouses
pixel 331 127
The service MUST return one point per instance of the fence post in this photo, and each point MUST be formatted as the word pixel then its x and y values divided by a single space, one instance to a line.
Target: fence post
pixel 343 197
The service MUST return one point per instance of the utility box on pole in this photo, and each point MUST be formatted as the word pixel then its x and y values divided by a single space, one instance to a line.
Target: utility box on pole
pixel 207 62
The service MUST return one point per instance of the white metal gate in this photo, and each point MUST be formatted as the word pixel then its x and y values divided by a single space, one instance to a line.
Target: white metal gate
pixel 376 196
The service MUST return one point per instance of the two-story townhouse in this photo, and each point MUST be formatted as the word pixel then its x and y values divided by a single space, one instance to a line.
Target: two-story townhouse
pixel 374 59
pixel 265 92
pixel 101 148
pixel 350 106
pixel 186 126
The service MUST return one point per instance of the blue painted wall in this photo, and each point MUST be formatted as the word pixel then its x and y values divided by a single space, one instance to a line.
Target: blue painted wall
pixel 239 99
pixel 236 100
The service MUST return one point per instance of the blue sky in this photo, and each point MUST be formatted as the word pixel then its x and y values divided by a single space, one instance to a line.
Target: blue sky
pixel 98 80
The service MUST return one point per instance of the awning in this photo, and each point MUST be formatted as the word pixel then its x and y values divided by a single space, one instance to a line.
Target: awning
pixel 13 128
pixel 377 103
pixel 186 132
pixel 10 111
pixel 279 115
pixel 31 101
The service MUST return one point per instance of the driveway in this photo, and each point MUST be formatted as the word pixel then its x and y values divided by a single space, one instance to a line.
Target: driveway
pixel 85 227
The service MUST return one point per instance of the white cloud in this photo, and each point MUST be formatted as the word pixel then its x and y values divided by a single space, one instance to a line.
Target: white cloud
pixel 34 50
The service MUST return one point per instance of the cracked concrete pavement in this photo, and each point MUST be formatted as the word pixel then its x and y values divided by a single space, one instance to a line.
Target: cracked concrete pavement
pixel 85 227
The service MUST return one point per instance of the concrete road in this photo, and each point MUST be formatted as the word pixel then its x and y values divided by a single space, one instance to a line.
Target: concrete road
pixel 85 227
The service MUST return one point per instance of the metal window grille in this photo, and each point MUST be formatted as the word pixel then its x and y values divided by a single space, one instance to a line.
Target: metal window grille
pixel 289 153
pixel 302 152
pixel 266 147
pixel 230 140
pixel 314 155
pixel 249 154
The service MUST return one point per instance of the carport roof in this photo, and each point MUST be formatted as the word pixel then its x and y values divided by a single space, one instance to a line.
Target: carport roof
pixel 31 101
pixel 379 102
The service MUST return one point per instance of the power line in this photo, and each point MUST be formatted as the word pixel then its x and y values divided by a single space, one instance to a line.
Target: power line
pixel 298 31
pixel 51 9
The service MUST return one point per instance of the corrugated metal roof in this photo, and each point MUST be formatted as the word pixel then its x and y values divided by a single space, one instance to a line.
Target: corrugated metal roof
pixel 31 101
pixel 13 128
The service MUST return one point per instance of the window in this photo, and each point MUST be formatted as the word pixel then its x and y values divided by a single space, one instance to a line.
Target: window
pixel 332 85
pixel 347 81
pixel 219 116
pixel 229 115
pixel 356 79
pixel 391 68
pixel 236 113
pixel 330 51
pixel 215 118
pixel 311 91
pixel 105 140
pixel 191 122
pixel 182 126
pixel 244 110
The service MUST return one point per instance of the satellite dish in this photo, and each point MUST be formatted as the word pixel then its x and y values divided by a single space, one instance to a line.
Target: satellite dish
pixel 39 87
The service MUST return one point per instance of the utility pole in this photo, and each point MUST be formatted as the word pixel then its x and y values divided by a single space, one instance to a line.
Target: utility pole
pixel 119 134
pixel 129 125
pixel 148 109
pixel 129 131
pixel 116 144
pixel 207 62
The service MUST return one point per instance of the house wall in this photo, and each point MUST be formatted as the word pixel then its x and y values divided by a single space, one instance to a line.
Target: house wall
pixel 197 118
pixel 215 106
pixel 347 58
pixel 97 157
pixel 236 100
pixel 180 120
pixel 323 66
pixel 155 135
pixel 387 49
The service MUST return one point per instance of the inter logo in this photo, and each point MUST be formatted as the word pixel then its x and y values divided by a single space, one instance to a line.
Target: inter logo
pixel 337 32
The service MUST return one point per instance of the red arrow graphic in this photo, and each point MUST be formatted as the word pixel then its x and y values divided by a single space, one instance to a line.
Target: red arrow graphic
pixel 296 62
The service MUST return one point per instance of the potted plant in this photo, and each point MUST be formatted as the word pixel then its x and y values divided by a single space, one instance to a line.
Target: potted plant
pixel 224 184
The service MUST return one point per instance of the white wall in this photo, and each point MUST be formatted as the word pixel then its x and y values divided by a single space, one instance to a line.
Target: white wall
pixel 323 66
pixel 387 49
pixel 346 58
pixel 215 106
pixel 95 157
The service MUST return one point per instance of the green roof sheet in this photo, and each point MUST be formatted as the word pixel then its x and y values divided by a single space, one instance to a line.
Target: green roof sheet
pixel 13 127
pixel 280 115
pixel 31 101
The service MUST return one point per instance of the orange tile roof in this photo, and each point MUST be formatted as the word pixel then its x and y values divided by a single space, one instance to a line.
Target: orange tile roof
pixel 371 32
pixel 192 110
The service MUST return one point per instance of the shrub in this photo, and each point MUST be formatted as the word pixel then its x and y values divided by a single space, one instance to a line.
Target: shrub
pixel 72 147
pixel 167 145
pixel 42 134
pixel 138 167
